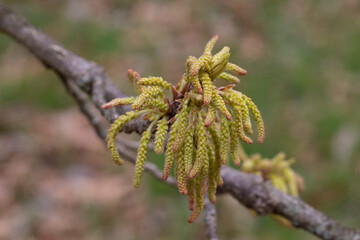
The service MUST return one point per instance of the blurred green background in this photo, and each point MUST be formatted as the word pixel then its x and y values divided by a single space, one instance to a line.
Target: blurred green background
pixel 56 178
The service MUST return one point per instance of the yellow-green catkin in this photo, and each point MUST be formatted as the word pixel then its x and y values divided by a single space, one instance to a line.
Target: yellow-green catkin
pixel 290 179
pixel 194 78
pixel 149 93
pixel 141 157
pixel 219 61
pixel 189 62
pixel 235 69
pixel 224 140
pixel 212 183
pixel 257 117
pixel 234 145
pixel 200 62
pixel 207 87
pixel 246 117
pixel 183 122
pixel 133 78
pixel 210 117
pixel 156 81
pixel 278 159
pixel 200 148
pixel 169 153
pixel 194 71
pixel 160 136
pixel 213 130
pixel 239 126
pixel 218 177
pixel 228 77
pixel 181 175
pixel 220 104
pixel 156 103
pixel 191 184
pixel 278 182
pixel 210 44
pixel 236 98
pixel 206 163
pixel 197 98
pixel 189 148
pixel 114 130
pixel 199 187
pixel 118 102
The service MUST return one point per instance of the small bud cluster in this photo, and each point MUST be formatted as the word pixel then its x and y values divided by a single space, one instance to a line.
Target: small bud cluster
pixel 276 170
pixel 206 123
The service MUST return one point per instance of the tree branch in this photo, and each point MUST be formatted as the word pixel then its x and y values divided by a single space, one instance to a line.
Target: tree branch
pixel 82 77
pixel 210 220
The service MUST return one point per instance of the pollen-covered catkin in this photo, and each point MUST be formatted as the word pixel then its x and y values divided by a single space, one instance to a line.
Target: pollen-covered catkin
pixel 210 45
pixel 213 130
pixel 194 71
pixel 133 78
pixel 181 175
pixel 228 77
pixel 189 148
pixel 207 87
pixel 200 148
pixel 156 103
pixel 257 117
pixel 235 69
pixel 149 93
pixel 118 102
pixel 189 62
pixel 183 122
pixel 220 104
pixel 141 157
pixel 212 183
pixel 278 182
pixel 234 145
pixel 239 126
pixel 169 153
pixel 219 61
pixel 199 204
pixel 210 117
pixel 160 136
pixel 236 98
pixel 290 179
pixel 200 62
pixel 224 140
pixel 194 78
pixel 156 81
pixel 191 184
pixel 113 131
pixel 246 117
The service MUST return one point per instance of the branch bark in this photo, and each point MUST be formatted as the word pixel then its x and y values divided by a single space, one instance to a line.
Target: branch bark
pixel 210 220
pixel 83 78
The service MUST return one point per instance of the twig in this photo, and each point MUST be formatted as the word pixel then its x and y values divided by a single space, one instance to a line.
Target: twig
pixel 210 220
pixel 254 193
pixel 248 189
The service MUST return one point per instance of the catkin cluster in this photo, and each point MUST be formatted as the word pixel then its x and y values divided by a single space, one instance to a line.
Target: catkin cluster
pixel 206 123
pixel 276 170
